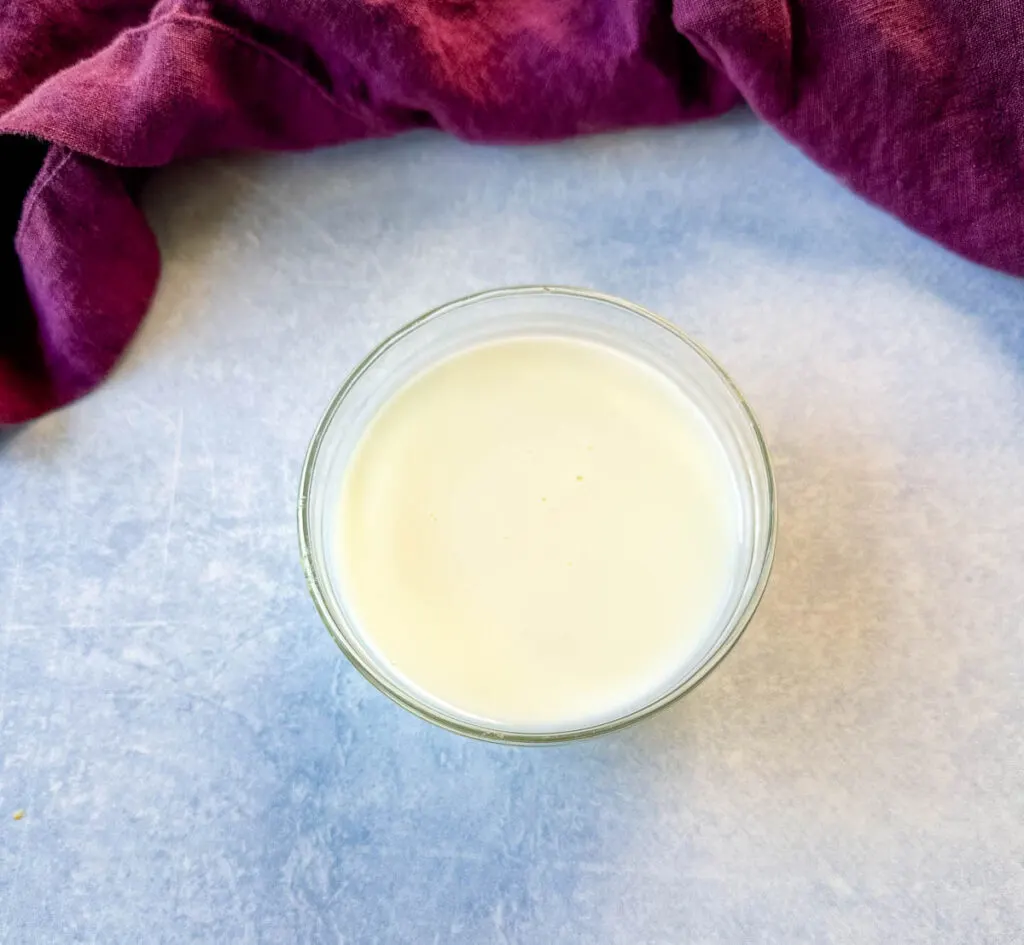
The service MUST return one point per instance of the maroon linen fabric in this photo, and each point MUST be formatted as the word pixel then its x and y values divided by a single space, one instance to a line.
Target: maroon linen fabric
pixel 917 105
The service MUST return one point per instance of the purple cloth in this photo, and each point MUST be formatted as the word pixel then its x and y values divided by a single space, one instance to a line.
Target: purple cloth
pixel 916 105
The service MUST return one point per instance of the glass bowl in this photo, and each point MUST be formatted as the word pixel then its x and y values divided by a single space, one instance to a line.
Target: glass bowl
pixel 534 311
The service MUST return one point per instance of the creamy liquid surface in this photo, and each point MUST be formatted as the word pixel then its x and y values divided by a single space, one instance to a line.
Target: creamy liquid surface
pixel 538 532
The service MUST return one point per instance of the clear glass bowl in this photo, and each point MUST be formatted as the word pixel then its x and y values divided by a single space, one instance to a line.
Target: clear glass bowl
pixel 510 312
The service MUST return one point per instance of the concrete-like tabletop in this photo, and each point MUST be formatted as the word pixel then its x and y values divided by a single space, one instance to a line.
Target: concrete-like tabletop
pixel 196 761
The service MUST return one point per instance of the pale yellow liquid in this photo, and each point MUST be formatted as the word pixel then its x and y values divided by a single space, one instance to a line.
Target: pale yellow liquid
pixel 539 532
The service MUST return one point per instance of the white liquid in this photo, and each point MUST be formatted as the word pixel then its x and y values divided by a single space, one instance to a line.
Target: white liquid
pixel 538 532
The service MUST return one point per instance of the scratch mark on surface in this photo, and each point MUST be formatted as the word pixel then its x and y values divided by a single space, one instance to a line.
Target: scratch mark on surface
pixel 210 467
pixel 80 625
pixel 175 476
pixel 498 918
pixel 8 624
pixel 287 209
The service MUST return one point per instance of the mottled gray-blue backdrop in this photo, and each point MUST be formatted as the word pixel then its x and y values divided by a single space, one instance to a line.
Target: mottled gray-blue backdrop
pixel 197 762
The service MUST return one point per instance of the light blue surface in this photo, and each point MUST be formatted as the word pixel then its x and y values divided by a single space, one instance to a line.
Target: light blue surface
pixel 197 762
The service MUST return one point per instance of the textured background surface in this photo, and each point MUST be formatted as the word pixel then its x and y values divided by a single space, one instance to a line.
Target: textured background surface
pixel 196 760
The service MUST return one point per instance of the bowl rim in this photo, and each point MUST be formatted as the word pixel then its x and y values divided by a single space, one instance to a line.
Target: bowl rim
pixel 408 700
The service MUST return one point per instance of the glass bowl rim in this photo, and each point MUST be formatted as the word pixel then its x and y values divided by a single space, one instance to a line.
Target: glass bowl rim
pixel 740 619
